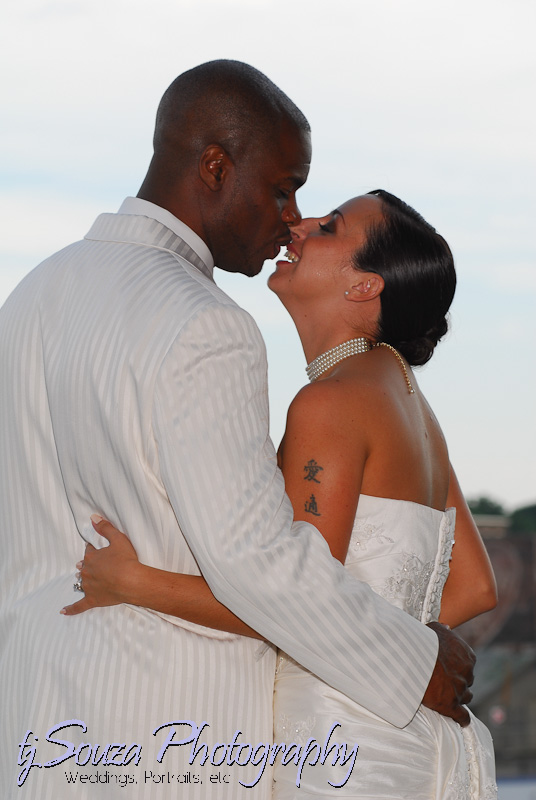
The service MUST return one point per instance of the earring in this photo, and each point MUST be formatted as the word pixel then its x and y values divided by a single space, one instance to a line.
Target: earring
pixel 346 293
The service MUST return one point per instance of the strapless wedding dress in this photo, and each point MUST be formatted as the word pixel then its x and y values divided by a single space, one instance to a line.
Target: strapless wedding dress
pixel 402 550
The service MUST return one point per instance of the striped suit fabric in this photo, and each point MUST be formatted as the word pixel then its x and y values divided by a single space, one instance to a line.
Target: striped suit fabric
pixel 132 386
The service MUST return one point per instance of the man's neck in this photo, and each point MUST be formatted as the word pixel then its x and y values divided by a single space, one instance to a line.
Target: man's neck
pixel 141 207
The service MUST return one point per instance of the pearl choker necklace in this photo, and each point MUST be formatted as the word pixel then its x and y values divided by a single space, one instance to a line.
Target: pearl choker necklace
pixel 323 362
pixel 351 348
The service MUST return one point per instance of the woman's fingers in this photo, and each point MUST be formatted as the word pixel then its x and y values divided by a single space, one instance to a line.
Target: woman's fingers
pixel 102 570
pixel 103 527
pixel 76 608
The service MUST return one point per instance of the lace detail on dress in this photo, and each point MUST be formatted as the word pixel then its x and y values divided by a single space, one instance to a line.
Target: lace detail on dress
pixel 432 601
pixel 409 583
pixel 288 730
pixel 489 791
pixel 476 754
pixel 459 788
pixel 418 584
pixel 363 533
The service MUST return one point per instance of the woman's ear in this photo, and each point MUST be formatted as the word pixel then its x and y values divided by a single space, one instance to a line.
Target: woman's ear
pixel 214 167
pixel 368 287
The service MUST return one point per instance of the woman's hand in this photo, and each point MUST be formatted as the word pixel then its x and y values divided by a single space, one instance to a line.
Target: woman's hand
pixel 114 575
pixel 106 575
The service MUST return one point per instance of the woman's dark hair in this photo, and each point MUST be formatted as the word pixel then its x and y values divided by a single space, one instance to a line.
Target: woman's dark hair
pixel 418 269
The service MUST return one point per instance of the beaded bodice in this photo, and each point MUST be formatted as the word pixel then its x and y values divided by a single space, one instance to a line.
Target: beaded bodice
pixel 402 550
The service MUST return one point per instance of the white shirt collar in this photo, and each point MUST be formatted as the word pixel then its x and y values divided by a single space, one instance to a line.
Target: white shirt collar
pixel 143 208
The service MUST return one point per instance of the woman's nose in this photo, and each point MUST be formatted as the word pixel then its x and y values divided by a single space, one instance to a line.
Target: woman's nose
pixel 303 228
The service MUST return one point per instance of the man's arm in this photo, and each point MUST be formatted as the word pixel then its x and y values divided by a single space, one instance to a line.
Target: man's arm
pixel 219 468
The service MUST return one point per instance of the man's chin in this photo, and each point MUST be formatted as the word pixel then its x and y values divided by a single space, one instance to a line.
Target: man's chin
pixel 249 269
pixel 254 270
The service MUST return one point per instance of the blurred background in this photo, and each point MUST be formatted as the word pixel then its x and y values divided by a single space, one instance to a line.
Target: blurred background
pixel 430 100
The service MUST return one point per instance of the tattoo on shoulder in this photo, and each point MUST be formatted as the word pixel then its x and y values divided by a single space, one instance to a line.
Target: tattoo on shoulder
pixel 312 468
pixel 311 506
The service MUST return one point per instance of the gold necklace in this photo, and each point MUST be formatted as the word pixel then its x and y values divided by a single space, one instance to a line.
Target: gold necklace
pixel 401 360
pixel 352 347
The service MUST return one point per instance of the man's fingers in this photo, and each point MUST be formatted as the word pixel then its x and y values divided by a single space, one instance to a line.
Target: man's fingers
pixel 461 716
pixel 466 697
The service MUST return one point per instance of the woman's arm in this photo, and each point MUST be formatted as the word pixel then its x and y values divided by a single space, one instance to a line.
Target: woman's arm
pixel 322 458
pixel 114 575
pixel 470 588
pixel 319 480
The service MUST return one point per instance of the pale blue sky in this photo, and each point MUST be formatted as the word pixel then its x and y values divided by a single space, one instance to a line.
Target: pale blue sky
pixel 431 100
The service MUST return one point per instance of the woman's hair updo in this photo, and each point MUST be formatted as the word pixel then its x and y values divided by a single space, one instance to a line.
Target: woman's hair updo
pixel 418 270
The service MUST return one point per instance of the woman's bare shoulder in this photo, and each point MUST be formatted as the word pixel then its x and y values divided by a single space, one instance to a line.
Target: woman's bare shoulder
pixel 332 403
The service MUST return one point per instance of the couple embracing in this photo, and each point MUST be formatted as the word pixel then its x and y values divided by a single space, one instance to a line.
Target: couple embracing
pixel 134 390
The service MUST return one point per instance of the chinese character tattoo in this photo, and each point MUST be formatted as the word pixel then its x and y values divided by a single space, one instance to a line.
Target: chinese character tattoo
pixel 311 506
pixel 312 469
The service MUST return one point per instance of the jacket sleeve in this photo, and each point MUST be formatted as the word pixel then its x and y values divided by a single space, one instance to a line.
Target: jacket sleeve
pixel 219 469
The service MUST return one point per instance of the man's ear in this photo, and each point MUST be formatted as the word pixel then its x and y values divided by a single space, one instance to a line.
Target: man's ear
pixel 368 287
pixel 214 166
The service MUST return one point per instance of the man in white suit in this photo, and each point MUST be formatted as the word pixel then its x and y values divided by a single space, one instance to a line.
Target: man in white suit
pixel 131 385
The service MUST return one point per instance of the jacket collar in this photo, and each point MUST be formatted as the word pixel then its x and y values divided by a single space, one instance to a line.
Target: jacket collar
pixel 146 231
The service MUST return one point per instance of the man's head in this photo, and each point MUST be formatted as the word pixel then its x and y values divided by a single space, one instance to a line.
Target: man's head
pixel 230 151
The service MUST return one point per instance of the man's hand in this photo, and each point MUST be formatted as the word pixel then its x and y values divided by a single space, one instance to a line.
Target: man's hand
pixel 448 689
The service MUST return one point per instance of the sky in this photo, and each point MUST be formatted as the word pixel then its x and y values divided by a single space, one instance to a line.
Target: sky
pixel 432 100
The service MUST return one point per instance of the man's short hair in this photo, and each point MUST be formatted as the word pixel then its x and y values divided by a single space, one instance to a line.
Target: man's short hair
pixel 227 102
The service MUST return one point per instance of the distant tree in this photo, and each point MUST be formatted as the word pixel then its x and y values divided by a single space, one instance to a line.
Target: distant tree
pixel 485 505
pixel 523 520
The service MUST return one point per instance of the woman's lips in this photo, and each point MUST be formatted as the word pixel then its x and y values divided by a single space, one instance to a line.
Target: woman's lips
pixel 292 256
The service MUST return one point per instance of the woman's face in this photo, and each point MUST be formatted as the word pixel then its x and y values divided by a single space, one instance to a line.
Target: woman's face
pixel 319 265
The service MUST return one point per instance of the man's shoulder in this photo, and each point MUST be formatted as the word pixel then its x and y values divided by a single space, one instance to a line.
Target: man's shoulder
pixel 217 319
pixel 30 287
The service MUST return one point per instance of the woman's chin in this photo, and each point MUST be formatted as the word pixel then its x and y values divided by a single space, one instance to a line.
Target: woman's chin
pixel 282 269
pixel 272 282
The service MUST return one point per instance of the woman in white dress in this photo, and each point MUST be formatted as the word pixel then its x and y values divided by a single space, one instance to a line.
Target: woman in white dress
pixel 364 459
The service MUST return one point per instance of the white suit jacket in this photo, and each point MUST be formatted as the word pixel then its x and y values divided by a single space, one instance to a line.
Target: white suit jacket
pixel 131 385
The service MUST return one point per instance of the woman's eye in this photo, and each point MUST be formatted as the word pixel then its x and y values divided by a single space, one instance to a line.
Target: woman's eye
pixel 324 228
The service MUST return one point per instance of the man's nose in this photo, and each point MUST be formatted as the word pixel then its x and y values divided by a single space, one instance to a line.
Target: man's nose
pixel 291 213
